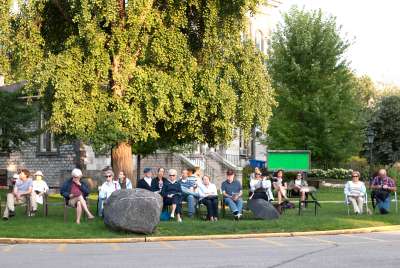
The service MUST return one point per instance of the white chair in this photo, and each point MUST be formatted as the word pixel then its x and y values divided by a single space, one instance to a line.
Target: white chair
pixel 348 203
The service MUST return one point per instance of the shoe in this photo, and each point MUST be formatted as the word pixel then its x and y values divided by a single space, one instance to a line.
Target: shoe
pixel 236 217
pixel 5 218
pixel 172 216
pixel 180 220
pixel 239 215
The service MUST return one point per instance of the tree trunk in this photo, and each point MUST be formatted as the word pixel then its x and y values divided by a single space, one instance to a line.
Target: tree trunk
pixel 121 159
pixel 138 167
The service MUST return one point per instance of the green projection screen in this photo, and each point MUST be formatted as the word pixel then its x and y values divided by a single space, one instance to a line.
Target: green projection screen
pixel 288 160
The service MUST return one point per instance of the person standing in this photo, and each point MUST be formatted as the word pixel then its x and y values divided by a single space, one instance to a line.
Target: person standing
pixel 145 182
pixel 209 197
pixel 382 186
pixel 106 189
pixel 232 194
pixel 75 193
pixel 22 191
pixel 355 191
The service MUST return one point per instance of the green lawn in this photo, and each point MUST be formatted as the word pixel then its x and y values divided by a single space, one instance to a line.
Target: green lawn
pixel 331 216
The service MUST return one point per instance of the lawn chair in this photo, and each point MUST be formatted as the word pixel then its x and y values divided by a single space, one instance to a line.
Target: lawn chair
pixel 348 203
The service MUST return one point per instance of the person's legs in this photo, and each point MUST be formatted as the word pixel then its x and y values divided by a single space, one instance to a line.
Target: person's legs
pixel 191 204
pixel 177 201
pixel 353 201
pixel 100 207
pixel 84 207
pixel 207 203
pixel 32 197
pixel 78 212
pixel 214 207
pixel 360 203
pixel 10 206
pixel 384 205
pixel 239 204
pixel 232 206
pixel 279 194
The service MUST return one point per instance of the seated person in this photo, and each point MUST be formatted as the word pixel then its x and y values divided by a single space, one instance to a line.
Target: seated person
pixel 75 193
pixel 382 186
pixel 189 192
pixel 355 191
pixel 124 182
pixel 209 197
pixel 106 189
pixel 232 194
pixel 280 186
pixel 40 187
pixel 145 182
pixel 299 186
pixel 21 192
pixel 158 182
pixel 260 187
pixel 172 194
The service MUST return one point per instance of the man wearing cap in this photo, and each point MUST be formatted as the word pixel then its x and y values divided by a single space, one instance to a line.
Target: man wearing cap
pixel 106 189
pixel 40 187
pixel 232 192
pixel 75 193
pixel 145 182
pixel 21 192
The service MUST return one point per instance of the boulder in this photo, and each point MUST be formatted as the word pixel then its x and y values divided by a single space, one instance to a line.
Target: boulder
pixel 133 210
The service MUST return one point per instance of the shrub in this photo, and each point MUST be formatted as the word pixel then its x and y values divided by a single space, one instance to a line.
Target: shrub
pixel 335 173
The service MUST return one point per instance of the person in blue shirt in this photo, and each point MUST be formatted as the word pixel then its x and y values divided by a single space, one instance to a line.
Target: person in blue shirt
pixel 232 194
pixel 189 192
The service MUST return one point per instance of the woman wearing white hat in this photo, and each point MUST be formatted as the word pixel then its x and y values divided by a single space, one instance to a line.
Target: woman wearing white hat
pixel 40 187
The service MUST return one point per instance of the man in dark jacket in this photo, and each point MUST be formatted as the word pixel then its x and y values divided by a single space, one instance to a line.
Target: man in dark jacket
pixel 172 195
pixel 75 193
pixel 145 182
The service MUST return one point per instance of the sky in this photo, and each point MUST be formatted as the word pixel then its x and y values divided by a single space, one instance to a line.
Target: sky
pixel 372 26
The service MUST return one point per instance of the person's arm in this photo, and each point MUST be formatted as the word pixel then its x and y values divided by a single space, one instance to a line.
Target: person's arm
pixel 84 188
pixel 253 184
pixel 64 191
pixel 224 193
pixel 392 186
pixel 102 192
pixel 128 184
pixel 347 188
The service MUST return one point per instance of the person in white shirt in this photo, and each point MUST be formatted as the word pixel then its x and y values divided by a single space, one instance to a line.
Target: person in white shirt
pixel 299 187
pixel 145 182
pixel 355 191
pixel 106 189
pixel 40 187
pixel 280 186
pixel 260 187
pixel 209 197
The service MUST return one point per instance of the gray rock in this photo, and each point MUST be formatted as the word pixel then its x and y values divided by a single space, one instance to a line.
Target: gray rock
pixel 133 210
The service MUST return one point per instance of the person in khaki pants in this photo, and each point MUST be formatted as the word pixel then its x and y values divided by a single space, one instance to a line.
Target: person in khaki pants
pixel 22 190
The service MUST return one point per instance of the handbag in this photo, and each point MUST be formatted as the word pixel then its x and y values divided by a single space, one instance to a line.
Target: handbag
pixel 165 216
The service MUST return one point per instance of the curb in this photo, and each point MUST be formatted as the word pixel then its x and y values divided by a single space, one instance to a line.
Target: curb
pixel 197 237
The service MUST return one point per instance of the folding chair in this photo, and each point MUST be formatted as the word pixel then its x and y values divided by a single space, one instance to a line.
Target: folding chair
pixel 348 203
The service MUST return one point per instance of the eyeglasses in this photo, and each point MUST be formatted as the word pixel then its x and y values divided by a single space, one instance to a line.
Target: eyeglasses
pixel 172 175
pixel 108 176
pixel 355 176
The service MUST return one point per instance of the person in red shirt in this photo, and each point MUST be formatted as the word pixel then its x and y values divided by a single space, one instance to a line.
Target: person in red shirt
pixel 75 192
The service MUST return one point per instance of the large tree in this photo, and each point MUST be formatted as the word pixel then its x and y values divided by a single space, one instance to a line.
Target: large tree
pixel 318 109
pixel 385 124
pixel 148 73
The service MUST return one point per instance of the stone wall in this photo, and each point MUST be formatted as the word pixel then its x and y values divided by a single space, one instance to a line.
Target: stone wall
pixel 55 166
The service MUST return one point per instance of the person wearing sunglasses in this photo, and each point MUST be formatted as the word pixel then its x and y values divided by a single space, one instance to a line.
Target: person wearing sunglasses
pixel 172 194
pixel 106 189
pixel 355 191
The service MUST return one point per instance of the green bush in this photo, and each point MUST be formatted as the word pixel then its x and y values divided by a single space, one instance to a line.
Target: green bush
pixel 335 173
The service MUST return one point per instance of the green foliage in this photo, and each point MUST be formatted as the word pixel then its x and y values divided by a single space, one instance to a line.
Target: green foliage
pixel 385 123
pixel 319 105
pixel 152 73
pixel 335 173
pixel 15 116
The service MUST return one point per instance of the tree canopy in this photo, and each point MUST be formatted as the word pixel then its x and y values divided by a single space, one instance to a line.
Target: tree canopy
pixel 385 124
pixel 319 109
pixel 145 73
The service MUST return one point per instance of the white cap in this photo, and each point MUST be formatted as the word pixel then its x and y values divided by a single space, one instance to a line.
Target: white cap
pixel 16 176
pixel 38 173
pixel 76 172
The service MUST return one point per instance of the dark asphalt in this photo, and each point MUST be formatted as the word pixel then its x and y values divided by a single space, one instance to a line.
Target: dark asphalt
pixel 361 250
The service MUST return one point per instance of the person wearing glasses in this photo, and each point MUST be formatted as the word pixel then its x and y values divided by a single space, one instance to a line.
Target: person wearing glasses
pixel 299 187
pixel 355 191
pixel 260 187
pixel 75 193
pixel 106 189
pixel 172 195
pixel 209 197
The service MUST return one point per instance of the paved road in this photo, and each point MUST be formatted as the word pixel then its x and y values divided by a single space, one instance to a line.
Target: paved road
pixel 364 250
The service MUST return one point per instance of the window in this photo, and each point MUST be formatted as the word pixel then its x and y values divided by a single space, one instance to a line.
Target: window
pixel 259 40
pixel 46 139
